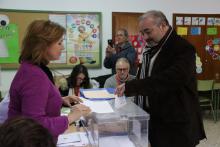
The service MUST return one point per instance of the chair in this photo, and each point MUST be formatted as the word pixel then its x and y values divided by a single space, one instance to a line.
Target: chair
pixel 206 95
pixel 102 79
pixel 216 88
pixel 1 96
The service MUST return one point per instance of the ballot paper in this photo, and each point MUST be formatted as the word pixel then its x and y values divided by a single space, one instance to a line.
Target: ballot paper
pixel 97 94
pixel 120 101
pixel 95 106
pixel 65 111
pixel 98 106
pixel 115 141
pixel 68 138
pixel 72 139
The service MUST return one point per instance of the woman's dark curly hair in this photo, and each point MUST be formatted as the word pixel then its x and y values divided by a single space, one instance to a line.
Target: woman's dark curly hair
pixel 75 72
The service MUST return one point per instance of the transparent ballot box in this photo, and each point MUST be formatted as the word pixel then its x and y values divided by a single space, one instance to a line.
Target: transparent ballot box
pixel 125 127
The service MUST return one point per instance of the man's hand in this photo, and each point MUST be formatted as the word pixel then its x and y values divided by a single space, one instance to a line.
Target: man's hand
pixel 110 51
pixel 120 90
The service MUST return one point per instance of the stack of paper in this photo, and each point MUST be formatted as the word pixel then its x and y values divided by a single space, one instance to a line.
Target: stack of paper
pixel 72 139
pixel 95 106
pixel 97 94
pixel 98 106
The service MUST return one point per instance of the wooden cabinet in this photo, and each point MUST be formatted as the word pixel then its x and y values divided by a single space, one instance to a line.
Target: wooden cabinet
pixel 203 31
pixel 126 20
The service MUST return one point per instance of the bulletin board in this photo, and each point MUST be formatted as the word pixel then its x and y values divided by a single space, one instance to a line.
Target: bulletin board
pixel 203 31
pixel 82 41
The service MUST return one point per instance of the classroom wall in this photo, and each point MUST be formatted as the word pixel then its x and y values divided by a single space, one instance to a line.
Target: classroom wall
pixel 106 7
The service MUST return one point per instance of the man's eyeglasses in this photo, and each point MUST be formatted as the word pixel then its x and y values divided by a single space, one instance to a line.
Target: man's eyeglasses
pixel 146 31
pixel 122 69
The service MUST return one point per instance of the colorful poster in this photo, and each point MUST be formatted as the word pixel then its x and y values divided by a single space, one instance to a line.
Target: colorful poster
pixel 195 20
pixel 198 65
pixel 179 20
pixel 217 21
pixel 182 30
pixel 210 21
pixel 9 46
pixel 187 20
pixel 138 43
pixel 60 19
pixel 201 21
pixel 195 30
pixel 212 31
pixel 83 43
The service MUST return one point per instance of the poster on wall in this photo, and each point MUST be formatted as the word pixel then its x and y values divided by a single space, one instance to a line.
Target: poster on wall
pixel 203 33
pixel 9 48
pixel 60 19
pixel 82 41
pixel 83 33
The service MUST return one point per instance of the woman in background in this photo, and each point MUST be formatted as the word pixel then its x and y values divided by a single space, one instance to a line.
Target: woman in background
pixel 79 78
pixel 32 92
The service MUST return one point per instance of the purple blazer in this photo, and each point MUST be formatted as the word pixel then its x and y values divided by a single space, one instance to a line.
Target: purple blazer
pixel 33 95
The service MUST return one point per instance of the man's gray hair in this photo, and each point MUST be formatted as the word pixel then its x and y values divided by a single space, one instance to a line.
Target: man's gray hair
pixel 124 60
pixel 158 16
pixel 124 31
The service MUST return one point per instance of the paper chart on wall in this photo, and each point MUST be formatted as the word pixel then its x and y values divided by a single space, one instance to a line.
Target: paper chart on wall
pixel 60 19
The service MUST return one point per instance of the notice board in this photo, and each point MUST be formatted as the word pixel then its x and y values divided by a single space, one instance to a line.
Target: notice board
pixel 203 31
pixel 82 41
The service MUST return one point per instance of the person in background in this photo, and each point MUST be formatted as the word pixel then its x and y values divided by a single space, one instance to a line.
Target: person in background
pixel 32 91
pixel 166 85
pixel 122 74
pixel 79 78
pixel 24 132
pixel 123 48
pixel 4 108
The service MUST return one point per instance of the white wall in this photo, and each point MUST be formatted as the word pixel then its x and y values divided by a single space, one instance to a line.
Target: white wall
pixel 106 7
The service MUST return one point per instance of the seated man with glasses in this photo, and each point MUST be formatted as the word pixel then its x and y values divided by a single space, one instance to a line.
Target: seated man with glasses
pixel 122 74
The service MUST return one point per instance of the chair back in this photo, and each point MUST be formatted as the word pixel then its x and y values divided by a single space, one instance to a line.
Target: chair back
pixel 205 85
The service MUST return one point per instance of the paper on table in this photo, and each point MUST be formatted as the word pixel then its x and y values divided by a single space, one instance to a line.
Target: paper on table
pixel 98 106
pixel 68 138
pixel 83 139
pixel 93 94
pixel 65 111
pixel 119 141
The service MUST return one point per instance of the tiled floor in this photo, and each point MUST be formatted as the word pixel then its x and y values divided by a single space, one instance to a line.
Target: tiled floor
pixel 212 132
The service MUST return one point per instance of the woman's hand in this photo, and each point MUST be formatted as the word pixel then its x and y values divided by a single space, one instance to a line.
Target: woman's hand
pixel 67 100
pixel 77 111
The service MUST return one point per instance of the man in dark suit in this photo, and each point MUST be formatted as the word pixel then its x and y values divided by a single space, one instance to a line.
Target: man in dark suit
pixel 166 85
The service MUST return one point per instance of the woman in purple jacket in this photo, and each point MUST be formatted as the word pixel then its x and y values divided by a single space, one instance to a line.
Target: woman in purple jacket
pixel 32 92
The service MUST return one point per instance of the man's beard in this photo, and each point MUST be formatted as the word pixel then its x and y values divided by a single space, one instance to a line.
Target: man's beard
pixel 151 43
